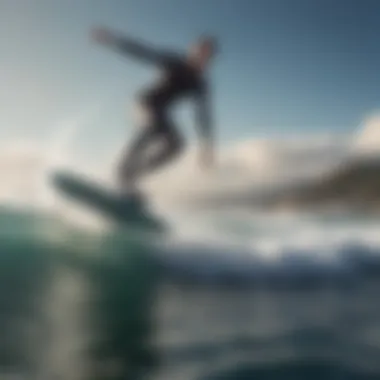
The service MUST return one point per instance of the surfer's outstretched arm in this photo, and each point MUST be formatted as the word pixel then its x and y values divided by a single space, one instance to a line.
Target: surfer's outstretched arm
pixel 205 126
pixel 128 46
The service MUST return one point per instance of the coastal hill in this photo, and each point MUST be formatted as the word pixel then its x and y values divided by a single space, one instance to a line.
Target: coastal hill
pixel 355 185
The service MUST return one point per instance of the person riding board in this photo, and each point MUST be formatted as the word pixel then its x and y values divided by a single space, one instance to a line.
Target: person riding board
pixel 182 76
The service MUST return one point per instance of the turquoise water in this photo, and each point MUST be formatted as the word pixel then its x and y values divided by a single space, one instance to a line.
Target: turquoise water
pixel 87 304
pixel 66 293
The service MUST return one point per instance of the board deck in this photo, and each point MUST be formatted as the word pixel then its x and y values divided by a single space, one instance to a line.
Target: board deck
pixel 104 201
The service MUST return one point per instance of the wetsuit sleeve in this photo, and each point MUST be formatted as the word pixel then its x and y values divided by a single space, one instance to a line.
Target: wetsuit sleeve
pixel 138 50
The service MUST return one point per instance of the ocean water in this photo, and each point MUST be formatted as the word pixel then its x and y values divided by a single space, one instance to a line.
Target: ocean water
pixel 237 296
pixel 227 294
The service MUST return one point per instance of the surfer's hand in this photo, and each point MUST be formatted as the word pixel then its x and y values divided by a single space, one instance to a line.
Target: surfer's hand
pixel 102 36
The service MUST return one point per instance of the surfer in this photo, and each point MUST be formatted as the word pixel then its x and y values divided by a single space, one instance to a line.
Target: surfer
pixel 182 76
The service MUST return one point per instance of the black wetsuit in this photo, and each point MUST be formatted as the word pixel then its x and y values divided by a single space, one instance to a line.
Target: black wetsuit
pixel 178 80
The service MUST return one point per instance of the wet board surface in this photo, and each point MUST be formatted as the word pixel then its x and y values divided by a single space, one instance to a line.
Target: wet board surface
pixel 98 198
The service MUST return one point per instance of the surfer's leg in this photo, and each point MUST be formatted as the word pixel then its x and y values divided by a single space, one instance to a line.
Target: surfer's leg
pixel 129 167
pixel 139 161
pixel 171 146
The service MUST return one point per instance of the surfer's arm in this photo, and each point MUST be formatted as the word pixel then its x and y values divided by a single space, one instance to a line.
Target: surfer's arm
pixel 128 46
pixel 205 125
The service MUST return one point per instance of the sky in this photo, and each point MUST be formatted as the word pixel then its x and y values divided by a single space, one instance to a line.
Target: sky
pixel 285 66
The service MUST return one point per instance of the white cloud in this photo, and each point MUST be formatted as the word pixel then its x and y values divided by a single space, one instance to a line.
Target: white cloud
pixel 367 140
pixel 251 166
pixel 243 168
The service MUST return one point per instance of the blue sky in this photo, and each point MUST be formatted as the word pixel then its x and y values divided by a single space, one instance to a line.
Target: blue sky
pixel 286 66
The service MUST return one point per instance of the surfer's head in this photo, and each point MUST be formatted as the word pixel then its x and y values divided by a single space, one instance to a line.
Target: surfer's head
pixel 203 50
